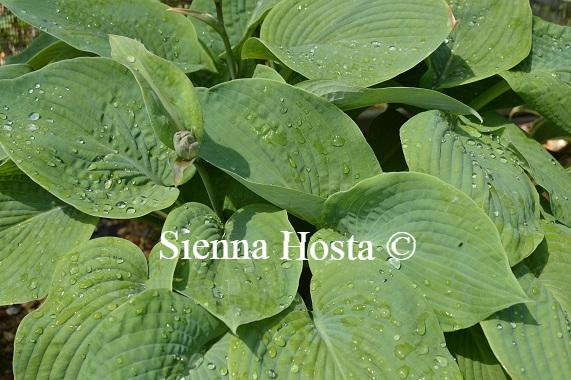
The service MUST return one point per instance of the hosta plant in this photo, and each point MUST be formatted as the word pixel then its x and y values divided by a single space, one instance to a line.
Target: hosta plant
pixel 321 121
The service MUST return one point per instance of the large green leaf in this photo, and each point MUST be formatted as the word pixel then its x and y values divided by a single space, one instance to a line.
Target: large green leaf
pixel 543 168
pixel 459 263
pixel 472 160
pixel 241 290
pixel 288 146
pixel 241 17
pixel 533 341
pixel 491 36
pixel 348 97
pixel 157 334
pixel 368 322
pixel 169 95
pixel 543 80
pixel 100 321
pixel 36 229
pixel 474 355
pixel 362 42
pixel 86 24
pixel 80 130
pixel 89 283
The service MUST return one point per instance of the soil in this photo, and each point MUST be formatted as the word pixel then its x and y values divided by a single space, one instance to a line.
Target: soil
pixel 141 234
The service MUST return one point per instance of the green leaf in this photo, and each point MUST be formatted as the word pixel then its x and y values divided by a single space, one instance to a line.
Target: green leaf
pixel 533 341
pixel 459 263
pixel 288 146
pixel 36 230
pixel 87 139
pixel 367 322
pixel 86 24
pixel 89 283
pixel 266 72
pixel 98 296
pixel 58 51
pixel 169 95
pixel 42 41
pixel 490 37
pixel 240 290
pixel 362 43
pixel 471 159
pixel 14 71
pixel 156 334
pixel 544 169
pixel 552 263
pixel 241 17
pixel 214 366
pixel 474 355
pixel 543 79
pixel 348 97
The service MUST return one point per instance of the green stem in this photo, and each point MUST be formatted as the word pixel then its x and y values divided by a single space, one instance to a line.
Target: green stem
pixel 490 94
pixel 227 45
pixel 201 169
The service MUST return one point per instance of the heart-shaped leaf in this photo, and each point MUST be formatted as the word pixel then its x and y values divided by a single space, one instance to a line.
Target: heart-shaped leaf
pixel 474 355
pixel 490 37
pixel 543 79
pixel 99 295
pixel 169 95
pixel 156 334
pixel 533 341
pixel 288 146
pixel 87 139
pixel 459 263
pixel 86 24
pixel 36 230
pixel 367 322
pixel 348 97
pixel 362 42
pixel 471 159
pixel 249 283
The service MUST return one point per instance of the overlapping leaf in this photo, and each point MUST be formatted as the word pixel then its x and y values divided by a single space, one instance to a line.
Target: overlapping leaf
pixel 459 262
pixel 543 168
pixel 543 80
pixel 290 147
pixel 169 95
pixel 86 24
pixel 472 160
pixel 99 295
pixel 474 355
pixel 36 230
pixel 246 286
pixel 490 37
pixel 367 322
pixel 362 42
pixel 87 139
pixel 533 341
pixel 348 97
